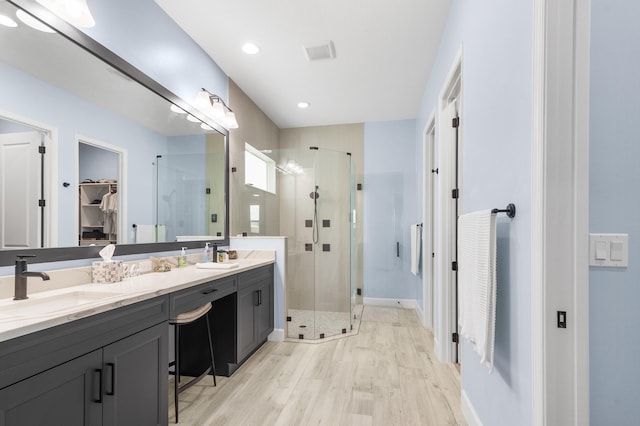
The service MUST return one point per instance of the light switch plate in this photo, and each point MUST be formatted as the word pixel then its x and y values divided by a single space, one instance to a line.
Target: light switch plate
pixel 610 250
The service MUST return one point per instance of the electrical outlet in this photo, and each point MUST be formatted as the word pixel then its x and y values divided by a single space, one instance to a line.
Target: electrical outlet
pixel 562 319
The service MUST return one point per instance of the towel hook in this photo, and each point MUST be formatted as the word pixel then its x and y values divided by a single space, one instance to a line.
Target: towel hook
pixel 510 210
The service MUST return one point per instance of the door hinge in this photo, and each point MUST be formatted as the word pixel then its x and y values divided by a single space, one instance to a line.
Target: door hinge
pixel 41 203
pixel 454 337
pixel 42 149
pixel 433 255
pixel 454 266
pixel 455 193
pixel 455 122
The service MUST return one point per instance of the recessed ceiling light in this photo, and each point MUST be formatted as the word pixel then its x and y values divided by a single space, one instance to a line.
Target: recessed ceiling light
pixel 303 105
pixel 7 22
pixel 250 49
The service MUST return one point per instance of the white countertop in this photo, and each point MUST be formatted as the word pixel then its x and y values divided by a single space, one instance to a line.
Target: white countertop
pixel 50 308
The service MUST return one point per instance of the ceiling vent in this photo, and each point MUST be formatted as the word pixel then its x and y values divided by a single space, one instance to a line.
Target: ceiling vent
pixel 320 51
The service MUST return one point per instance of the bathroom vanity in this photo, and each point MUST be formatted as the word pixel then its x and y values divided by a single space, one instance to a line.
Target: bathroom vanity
pixel 105 360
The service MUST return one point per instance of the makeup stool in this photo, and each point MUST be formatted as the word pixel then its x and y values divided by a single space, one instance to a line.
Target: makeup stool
pixel 179 321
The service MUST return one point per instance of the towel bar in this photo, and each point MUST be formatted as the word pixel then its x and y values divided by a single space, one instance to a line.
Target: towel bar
pixel 510 210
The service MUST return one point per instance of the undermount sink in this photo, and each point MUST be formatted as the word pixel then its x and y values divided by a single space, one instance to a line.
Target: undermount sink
pixel 41 303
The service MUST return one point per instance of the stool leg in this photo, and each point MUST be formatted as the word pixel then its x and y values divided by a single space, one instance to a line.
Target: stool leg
pixel 213 363
pixel 176 376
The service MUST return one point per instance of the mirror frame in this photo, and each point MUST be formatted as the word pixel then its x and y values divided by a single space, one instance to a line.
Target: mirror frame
pixel 58 254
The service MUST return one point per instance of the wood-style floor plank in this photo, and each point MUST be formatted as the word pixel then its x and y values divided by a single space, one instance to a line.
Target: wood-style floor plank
pixel 387 374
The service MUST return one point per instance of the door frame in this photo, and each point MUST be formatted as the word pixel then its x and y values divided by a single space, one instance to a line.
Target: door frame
pixel 50 174
pixel 445 323
pixel 123 161
pixel 428 218
pixel 560 197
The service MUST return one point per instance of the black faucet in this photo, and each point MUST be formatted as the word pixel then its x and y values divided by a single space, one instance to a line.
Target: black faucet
pixel 20 286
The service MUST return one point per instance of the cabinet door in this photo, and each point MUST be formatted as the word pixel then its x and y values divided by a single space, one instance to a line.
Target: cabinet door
pixel 264 311
pixel 68 394
pixel 246 337
pixel 135 379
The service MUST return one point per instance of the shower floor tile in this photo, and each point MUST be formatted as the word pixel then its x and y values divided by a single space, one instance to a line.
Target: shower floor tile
pixel 319 326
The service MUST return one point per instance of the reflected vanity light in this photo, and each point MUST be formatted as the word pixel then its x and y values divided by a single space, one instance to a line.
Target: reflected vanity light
pixel 75 12
pixel 193 119
pixel 7 22
pixel 177 109
pixel 214 107
pixel 32 22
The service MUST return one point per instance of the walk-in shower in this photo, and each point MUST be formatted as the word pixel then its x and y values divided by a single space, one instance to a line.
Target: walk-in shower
pixel 317 202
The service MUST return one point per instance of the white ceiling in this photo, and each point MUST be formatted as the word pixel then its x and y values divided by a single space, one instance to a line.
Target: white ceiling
pixel 384 53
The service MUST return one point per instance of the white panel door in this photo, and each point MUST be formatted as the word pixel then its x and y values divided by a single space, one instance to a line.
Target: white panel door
pixel 19 190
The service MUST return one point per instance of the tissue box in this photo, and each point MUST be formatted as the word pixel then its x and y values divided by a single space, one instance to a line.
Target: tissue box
pixel 107 272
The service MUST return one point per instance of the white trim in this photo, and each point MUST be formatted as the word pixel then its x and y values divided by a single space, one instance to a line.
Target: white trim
pixel 50 174
pixel 123 167
pixel 391 303
pixel 421 317
pixel 469 412
pixel 277 335
pixel 581 220
pixel 538 367
pixel 560 172
pixel 427 239
pixel 444 296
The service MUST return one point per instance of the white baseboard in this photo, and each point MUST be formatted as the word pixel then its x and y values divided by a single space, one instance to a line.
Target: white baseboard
pixel 469 412
pixel 391 303
pixel 277 335
pixel 420 313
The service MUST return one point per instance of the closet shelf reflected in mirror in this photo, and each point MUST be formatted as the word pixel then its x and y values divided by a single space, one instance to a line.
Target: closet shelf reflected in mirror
pixel 98 212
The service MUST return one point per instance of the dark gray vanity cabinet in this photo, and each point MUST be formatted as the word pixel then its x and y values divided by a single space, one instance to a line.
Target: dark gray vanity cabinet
pixel 135 379
pixel 255 310
pixel 110 368
pixel 68 394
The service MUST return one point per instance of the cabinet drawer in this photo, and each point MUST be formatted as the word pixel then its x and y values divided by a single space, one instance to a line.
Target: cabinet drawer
pixel 194 297
pixel 248 278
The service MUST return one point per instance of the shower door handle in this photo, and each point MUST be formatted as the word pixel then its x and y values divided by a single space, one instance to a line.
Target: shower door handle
pixel 397 248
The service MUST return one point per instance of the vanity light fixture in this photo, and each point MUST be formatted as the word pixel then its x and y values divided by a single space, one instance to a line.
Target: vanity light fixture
pixel 214 106
pixel 7 22
pixel 32 22
pixel 75 12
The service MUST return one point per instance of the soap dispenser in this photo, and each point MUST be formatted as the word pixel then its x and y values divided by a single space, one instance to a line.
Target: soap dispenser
pixel 182 259
pixel 206 255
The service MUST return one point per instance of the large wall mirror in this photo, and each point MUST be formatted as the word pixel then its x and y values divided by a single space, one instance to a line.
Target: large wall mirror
pixel 92 153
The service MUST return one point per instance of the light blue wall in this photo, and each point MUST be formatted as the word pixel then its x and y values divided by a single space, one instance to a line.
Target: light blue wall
pixel 96 163
pixel 34 99
pixel 391 205
pixel 496 36
pixel 141 32
pixel 615 208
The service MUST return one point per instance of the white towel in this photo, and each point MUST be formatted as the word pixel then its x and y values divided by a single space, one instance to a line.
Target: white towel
pixel 416 240
pixel 151 234
pixel 477 281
